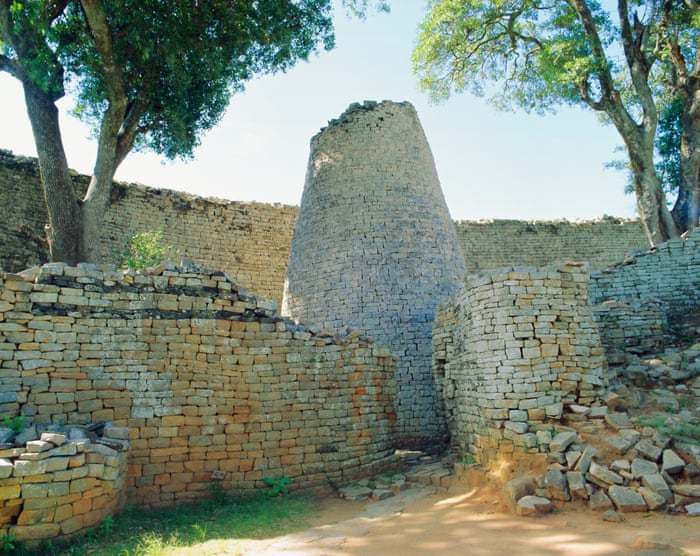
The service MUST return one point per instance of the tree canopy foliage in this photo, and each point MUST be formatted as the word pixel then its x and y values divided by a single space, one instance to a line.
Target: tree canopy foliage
pixel 627 60
pixel 146 74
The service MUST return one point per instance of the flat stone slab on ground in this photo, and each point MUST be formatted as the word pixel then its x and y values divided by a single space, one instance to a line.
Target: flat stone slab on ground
pixel 627 499
pixel 654 500
pixel 534 505
pixel 693 509
pixel 649 450
pixel 355 492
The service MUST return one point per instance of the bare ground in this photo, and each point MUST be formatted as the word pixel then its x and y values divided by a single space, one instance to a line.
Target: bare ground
pixel 467 520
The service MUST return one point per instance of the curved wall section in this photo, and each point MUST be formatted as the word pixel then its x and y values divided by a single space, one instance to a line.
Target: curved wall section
pixel 374 248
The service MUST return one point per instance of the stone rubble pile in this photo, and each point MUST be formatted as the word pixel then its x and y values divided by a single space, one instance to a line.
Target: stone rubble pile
pixel 58 480
pixel 611 464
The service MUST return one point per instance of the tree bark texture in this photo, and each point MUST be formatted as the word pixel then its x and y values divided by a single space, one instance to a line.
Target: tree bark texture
pixel 64 229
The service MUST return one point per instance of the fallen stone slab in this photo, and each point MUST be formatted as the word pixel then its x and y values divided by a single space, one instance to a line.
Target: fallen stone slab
pixel 613 517
pixel 520 487
pixel 584 462
pixel 620 443
pixel 656 483
pixel 533 506
pixel 562 441
pixel 691 491
pixel 693 509
pixel 671 462
pixel 355 493
pixel 56 438
pixel 599 501
pixel 654 500
pixel 577 484
pixel 604 474
pixel 643 467
pixel 627 499
pixel 382 493
pixel 648 450
pixel 618 421
pixel 556 485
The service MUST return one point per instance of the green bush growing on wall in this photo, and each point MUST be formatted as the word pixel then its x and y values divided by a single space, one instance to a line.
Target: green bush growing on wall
pixel 146 249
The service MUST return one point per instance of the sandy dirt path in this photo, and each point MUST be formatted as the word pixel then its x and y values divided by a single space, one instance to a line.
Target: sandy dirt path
pixel 419 522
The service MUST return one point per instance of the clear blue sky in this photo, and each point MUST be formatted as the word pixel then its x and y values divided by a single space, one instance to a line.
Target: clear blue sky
pixel 491 164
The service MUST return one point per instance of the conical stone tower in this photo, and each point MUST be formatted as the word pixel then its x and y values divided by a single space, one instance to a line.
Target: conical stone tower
pixel 375 249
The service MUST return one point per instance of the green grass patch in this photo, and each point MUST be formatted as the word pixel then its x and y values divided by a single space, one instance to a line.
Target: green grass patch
pixel 138 532
pixel 685 432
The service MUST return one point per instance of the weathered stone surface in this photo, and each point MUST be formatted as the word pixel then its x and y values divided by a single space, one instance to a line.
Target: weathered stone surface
pixel 604 474
pixel 693 509
pixel 656 483
pixel 692 491
pixel 612 516
pixel 57 439
pixel 584 462
pixel 626 499
pixel 562 441
pixel 643 467
pixel 653 499
pixel 520 487
pixel 648 450
pixel 355 492
pixel 533 505
pixel 577 484
pixel 618 421
pixel 5 468
pixel 599 501
pixel 671 462
pixel 556 485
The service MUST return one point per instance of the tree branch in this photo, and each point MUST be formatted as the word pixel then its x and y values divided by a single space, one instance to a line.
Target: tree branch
pixel 637 63
pixel 10 66
pixel 53 9
pixel 101 34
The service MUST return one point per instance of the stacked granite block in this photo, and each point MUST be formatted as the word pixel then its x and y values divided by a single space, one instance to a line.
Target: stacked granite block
pixel 211 382
pixel 61 481
pixel 510 349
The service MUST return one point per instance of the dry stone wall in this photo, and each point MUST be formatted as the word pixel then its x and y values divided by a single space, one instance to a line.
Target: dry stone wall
pixel 374 248
pixel 491 244
pixel 668 274
pixel 509 349
pixel 211 382
pixel 60 483
pixel 250 241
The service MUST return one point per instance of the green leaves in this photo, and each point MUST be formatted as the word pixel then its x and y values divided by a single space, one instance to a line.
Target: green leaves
pixel 523 53
pixel 181 60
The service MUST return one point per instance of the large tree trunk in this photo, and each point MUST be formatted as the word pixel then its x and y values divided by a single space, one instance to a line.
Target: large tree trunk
pixel 654 214
pixel 64 230
pixel 97 198
pixel 686 212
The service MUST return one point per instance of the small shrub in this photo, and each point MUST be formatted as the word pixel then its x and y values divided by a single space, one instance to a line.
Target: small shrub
pixel 278 485
pixel 468 459
pixel 107 525
pixel 8 544
pixel 16 424
pixel 146 249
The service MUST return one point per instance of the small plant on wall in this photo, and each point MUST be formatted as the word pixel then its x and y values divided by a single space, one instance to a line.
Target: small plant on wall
pixel 279 486
pixel 146 249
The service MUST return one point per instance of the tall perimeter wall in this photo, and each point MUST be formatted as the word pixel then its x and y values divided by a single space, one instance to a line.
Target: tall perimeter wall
pixel 251 241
